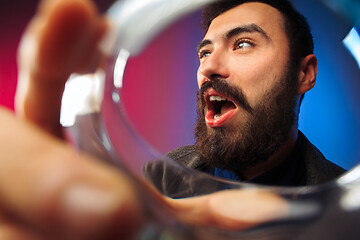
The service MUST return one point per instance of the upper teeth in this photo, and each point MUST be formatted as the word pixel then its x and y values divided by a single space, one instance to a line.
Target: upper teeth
pixel 217 98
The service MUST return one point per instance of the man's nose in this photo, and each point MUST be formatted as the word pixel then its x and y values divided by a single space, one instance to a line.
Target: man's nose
pixel 214 66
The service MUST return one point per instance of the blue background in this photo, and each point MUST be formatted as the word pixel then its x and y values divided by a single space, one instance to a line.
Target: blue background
pixel 330 113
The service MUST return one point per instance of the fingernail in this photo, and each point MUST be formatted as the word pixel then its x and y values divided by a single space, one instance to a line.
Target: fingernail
pixel 88 207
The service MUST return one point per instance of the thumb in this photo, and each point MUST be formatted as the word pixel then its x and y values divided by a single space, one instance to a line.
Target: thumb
pixel 47 185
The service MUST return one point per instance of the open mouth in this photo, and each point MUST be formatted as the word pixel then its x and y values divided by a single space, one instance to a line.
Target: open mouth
pixel 219 109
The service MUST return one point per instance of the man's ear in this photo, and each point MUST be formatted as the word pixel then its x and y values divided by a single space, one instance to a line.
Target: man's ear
pixel 307 75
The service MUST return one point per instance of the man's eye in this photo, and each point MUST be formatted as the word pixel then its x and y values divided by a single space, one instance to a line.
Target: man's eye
pixel 203 54
pixel 241 44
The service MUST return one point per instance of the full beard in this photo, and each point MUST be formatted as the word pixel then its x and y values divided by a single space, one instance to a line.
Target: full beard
pixel 253 142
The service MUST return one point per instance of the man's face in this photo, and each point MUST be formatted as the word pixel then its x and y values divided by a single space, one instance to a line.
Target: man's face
pixel 247 91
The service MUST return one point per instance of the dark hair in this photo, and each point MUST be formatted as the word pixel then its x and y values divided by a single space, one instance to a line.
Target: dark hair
pixel 296 27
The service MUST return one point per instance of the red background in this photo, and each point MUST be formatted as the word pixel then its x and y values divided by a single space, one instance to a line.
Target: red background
pixel 14 16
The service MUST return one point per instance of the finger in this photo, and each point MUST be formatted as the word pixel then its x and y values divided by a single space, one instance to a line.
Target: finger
pixel 232 209
pixel 61 39
pixel 47 185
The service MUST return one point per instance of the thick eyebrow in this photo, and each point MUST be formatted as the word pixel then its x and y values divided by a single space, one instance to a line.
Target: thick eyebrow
pixel 202 44
pixel 249 28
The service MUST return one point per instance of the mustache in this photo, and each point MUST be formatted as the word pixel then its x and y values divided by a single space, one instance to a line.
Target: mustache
pixel 222 87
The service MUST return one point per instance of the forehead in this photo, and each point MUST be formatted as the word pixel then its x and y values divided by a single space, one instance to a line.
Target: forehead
pixel 268 18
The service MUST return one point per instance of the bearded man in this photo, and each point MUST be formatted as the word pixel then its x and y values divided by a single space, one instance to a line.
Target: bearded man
pixel 256 64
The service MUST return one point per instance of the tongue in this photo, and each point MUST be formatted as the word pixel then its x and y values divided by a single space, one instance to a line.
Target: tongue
pixel 227 107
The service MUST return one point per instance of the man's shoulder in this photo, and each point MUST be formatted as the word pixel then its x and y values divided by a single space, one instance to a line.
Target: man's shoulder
pixel 186 156
pixel 177 181
pixel 318 168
